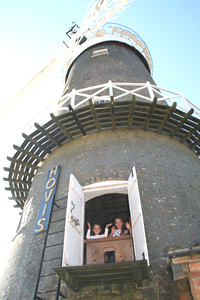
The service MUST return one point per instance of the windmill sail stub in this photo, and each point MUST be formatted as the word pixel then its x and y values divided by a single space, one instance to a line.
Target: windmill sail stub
pixel 100 13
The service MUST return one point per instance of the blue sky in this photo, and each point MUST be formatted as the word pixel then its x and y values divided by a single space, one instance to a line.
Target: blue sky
pixel 169 28
pixel 30 29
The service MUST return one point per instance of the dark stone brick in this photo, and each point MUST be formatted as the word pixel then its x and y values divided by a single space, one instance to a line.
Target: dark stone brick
pixel 170 204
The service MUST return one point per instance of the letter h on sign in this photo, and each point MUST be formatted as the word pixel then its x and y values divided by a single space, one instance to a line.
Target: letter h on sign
pixel 44 213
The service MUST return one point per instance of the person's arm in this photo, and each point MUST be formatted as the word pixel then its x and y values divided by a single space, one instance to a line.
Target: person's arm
pixel 106 232
pixel 106 229
pixel 112 231
pixel 128 227
pixel 88 234
pixel 88 231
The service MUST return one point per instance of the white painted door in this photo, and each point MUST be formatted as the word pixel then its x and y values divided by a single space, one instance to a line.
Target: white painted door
pixel 74 225
pixel 139 237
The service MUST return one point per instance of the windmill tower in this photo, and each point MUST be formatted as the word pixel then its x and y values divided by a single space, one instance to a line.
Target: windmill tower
pixel 113 148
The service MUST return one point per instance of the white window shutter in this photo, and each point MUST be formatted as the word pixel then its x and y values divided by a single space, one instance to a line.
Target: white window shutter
pixel 74 225
pixel 139 237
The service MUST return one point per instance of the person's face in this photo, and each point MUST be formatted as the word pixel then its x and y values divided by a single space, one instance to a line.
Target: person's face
pixel 118 224
pixel 96 229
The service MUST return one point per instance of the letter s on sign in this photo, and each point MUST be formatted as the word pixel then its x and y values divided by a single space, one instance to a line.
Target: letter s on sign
pixel 41 225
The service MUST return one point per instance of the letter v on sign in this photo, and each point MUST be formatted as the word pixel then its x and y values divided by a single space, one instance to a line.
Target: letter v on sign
pixel 48 196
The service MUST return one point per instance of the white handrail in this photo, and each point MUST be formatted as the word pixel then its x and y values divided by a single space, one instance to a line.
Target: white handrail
pixel 123 89
pixel 127 88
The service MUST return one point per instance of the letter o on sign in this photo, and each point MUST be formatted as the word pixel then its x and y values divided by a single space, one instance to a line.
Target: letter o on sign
pixel 49 185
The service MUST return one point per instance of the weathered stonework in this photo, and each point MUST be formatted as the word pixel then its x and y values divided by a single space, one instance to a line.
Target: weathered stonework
pixel 168 175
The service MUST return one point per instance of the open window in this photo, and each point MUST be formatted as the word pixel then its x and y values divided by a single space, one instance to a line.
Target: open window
pixel 103 210
pixel 113 269
pixel 73 254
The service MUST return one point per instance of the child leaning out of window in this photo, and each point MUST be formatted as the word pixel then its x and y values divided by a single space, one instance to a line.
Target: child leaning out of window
pixel 96 230
pixel 120 228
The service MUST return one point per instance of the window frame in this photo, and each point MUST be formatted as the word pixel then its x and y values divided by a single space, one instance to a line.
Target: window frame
pixel 108 187
pixel 99 52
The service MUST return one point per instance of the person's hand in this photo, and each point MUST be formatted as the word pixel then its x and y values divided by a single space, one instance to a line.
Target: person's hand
pixel 108 225
pixel 128 226
pixel 89 226
pixel 113 229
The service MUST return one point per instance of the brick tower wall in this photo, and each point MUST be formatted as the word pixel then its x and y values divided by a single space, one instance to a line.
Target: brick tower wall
pixel 168 176
pixel 122 63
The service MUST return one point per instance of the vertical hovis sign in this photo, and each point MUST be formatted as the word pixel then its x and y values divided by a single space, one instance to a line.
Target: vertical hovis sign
pixel 47 200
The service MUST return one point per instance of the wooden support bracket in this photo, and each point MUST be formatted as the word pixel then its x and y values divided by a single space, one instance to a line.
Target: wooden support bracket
pixel 77 120
pixel 23 163
pixel 148 119
pixel 131 114
pixel 181 123
pixel 61 127
pixel 112 112
pixel 34 142
pixel 28 153
pixel 45 133
pixel 95 117
pixel 166 118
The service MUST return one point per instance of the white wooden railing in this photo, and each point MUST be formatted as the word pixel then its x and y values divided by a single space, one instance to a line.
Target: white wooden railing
pixel 124 89
pixel 103 93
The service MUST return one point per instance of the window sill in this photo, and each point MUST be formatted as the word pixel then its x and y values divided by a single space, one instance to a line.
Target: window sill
pixel 108 239
pixel 111 273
